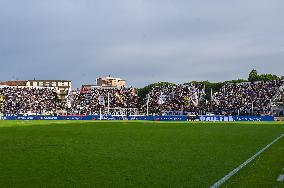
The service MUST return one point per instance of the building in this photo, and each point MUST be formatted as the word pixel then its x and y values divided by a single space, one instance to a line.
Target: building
pixel 62 87
pixel 88 87
pixel 14 83
pixel 110 82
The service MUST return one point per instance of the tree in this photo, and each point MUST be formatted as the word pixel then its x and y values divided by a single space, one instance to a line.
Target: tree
pixel 253 76
pixel 215 86
pixel 268 77
pixel 142 92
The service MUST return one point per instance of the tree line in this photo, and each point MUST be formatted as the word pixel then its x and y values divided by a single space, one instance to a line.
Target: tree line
pixel 214 86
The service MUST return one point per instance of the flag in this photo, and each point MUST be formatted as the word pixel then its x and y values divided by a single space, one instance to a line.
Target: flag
pixel 172 94
pixel 133 92
pixel 195 99
pixel 162 99
pixel 101 100
pixel 243 100
pixel 187 100
pixel 119 97
pixel 2 99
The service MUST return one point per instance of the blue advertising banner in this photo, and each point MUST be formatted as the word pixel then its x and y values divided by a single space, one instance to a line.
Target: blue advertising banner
pixel 236 118
pixel 253 118
pixel 149 118
pixel 98 117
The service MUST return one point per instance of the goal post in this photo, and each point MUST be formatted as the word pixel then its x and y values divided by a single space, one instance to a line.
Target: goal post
pixel 124 111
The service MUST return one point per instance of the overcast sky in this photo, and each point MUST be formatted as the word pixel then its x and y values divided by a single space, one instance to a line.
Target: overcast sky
pixel 142 41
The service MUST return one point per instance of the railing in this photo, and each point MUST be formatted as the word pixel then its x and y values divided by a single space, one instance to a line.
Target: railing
pixel 277 99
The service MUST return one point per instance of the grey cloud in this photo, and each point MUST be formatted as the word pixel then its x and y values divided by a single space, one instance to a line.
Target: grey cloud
pixel 142 41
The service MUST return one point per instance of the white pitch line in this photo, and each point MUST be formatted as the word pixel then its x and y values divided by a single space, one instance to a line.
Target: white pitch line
pixel 233 172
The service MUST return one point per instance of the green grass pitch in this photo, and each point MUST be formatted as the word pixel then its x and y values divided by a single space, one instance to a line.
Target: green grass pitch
pixel 137 154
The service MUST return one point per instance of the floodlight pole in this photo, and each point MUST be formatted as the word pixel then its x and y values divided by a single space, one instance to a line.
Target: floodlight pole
pixel 148 99
pixel 108 103
pixel 211 94
pixel 100 113
pixel 252 108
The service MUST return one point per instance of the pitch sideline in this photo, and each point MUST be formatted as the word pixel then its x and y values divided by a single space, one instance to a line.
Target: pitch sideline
pixel 233 172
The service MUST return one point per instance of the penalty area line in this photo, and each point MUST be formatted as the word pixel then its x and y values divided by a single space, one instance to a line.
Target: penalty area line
pixel 233 172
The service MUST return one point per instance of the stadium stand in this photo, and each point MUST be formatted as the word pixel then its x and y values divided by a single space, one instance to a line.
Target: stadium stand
pixel 104 100
pixel 244 98
pixel 248 98
pixel 29 101
pixel 277 106
pixel 174 99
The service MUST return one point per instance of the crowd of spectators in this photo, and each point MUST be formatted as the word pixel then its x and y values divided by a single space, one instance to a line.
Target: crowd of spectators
pixel 29 101
pixel 248 98
pixel 244 98
pixel 92 101
pixel 171 99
